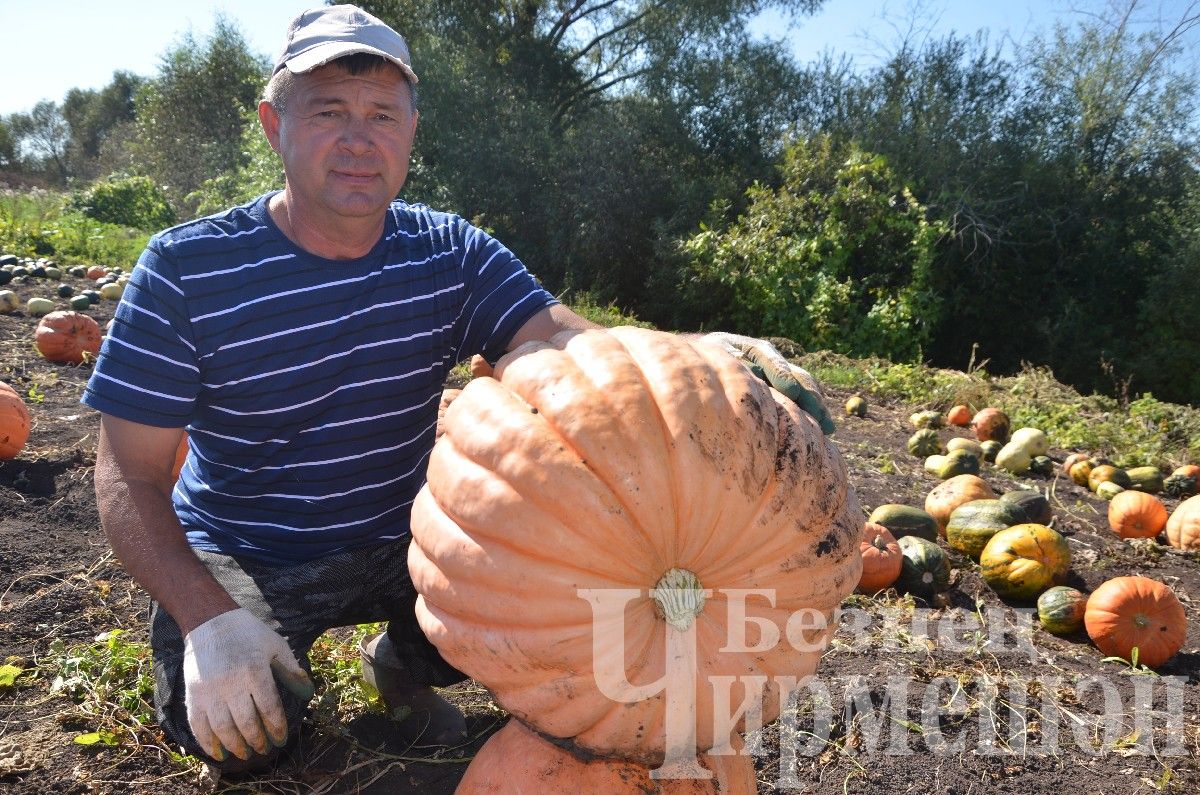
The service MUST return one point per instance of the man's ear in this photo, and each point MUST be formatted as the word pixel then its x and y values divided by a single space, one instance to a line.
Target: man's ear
pixel 270 122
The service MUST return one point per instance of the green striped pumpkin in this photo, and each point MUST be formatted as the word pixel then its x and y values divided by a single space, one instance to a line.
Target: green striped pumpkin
pixel 1060 609
pixel 972 524
pixel 1020 562
pixel 1147 479
pixel 1032 504
pixel 905 520
pixel 925 570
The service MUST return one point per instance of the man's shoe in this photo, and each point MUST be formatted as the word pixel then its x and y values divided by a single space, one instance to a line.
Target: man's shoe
pixel 425 718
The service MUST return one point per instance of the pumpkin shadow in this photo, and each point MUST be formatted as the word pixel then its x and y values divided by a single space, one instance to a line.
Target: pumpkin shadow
pixel 1185 664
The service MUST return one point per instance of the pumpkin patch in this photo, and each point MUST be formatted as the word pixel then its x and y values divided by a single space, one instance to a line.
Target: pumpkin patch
pixel 920 627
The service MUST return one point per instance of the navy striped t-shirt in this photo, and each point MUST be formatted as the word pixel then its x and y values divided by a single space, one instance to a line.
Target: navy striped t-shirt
pixel 309 387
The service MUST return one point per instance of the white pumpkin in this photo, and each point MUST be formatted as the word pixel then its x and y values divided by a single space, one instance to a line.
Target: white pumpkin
pixel 1014 458
pixel 37 307
pixel 1032 440
pixel 963 443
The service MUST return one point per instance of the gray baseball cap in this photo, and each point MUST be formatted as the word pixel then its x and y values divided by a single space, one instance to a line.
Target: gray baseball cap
pixel 320 35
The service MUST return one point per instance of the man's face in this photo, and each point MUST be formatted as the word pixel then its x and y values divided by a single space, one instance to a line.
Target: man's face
pixel 345 140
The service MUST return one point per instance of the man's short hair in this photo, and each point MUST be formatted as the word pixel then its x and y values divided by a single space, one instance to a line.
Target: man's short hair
pixel 282 85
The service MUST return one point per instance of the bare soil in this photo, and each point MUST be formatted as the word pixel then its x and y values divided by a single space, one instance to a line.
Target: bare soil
pixel 863 729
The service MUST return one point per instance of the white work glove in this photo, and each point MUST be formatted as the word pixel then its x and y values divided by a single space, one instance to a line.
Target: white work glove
pixel 231 695
pixel 769 364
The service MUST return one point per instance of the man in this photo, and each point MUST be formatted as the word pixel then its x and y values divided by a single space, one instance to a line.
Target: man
pixel 303 340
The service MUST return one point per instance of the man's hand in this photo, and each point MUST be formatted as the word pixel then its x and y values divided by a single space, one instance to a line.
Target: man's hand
pixel 768 363
pixel 232 703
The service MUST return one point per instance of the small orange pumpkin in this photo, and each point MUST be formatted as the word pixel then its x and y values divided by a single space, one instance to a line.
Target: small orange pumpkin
pixel 1183 528
pixel 1136 514
pixel 67 337
pixel 516 760
pixel 1072 460
pixel 14 423
pixel 960 415
pixel 953 492
pixel 1082 470
pixel 1105 473
pixel 882 558
pixel 991 424
pixel 1125 613
pixel 1188 470
pixel 96 272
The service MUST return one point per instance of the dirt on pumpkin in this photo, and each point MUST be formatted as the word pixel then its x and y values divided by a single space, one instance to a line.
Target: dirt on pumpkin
pixel 961 695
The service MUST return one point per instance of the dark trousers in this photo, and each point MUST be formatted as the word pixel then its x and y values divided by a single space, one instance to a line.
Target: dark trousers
pixel 300 603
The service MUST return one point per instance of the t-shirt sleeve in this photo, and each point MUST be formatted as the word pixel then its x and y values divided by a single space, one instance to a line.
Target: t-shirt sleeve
pixel 501 295
pixel 148 370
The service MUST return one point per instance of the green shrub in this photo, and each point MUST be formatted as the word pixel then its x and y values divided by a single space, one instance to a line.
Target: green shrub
pixel 126 201
pixel 838 258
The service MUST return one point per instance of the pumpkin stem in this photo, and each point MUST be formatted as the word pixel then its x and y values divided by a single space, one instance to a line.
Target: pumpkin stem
pixel 680 598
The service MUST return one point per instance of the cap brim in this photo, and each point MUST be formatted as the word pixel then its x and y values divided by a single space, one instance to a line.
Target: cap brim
pixel 330 51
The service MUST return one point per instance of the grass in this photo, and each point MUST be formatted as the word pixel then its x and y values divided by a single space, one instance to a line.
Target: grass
pixel 1142 431
pixel 36 223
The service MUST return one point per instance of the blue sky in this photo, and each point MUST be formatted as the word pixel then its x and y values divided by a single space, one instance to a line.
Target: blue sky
pixel 50 47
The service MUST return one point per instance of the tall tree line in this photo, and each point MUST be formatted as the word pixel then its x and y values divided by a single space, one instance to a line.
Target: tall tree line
pixel 601 139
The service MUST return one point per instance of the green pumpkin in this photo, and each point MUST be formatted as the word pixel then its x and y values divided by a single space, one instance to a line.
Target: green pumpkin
pixel 856 407
pixel 924 570
pixel 990 449
pixel 972 524
pixel 905 520
pixel 1060 609
pixel 1107 489
pixel 924 442
pixel 80 303
pixel 1020 562
pixel 1032 505
pixel 1041 465
pixel 927 419
pixel 1180 486
pixel 959 462
pixel 1147 479
pixel 963 443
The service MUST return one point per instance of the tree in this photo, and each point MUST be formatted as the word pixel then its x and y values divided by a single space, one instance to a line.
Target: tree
pixel 191 114
pixel 1060 175
pixel 8 144
pixel 589 136
pixel 838 257
pixel 45 132
pixel 93 115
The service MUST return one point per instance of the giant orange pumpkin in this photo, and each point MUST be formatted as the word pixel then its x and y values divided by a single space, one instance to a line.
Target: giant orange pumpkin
pixel 1183 527
pixel 14 423
pixel 448 396
pixel 1136 612
pixel 67 337
pixel 610 497
pixel 517 761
